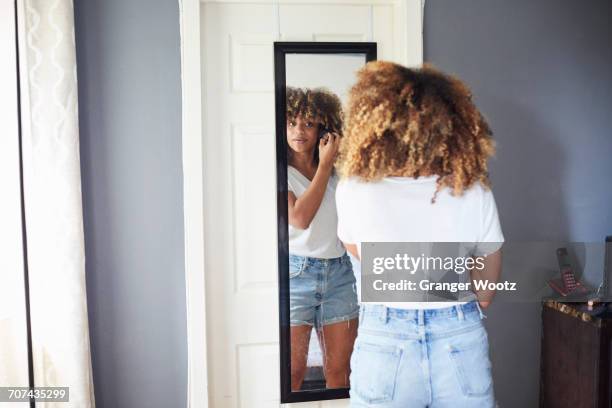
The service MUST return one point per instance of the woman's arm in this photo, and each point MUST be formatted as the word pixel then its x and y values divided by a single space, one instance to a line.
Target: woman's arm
pixel 352 248
pixel 491 272
pixel 302 210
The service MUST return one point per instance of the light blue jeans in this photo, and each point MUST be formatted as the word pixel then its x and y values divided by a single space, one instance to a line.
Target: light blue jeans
pixel 322 291
pixel 433 358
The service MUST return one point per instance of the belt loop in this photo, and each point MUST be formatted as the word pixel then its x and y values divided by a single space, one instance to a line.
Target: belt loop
pixel 384 315
pixel 482 315
pixel 421 317
pixel 460 314
pixel 361 313
pixel 303 264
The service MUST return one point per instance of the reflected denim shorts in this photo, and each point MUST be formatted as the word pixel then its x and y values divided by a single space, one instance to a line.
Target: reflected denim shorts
pixel 421 358
pixel 321 291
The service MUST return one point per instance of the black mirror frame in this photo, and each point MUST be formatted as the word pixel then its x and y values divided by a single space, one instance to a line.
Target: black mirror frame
pixel 281 49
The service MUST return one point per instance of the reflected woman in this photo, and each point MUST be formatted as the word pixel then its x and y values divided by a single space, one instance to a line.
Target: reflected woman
pixel 321 279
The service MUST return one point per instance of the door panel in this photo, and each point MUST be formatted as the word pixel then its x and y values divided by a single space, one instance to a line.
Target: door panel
pixel 240 205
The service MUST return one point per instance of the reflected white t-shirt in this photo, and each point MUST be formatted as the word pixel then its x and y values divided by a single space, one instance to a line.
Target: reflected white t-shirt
pixel 399 209
pixel 320 239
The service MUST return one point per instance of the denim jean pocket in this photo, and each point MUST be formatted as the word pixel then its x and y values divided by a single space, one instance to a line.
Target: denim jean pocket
pixel 296 266
pixel 374 371
pixel 473 367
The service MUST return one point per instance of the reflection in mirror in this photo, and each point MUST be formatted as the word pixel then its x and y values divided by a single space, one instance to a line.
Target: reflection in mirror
pixel 323 306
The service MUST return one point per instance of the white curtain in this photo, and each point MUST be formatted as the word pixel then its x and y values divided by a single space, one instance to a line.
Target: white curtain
pixel 52 195
pixel 13 337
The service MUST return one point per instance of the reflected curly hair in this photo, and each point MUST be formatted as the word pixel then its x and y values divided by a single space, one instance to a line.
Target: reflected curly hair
pixel 414 122
pixel 318 105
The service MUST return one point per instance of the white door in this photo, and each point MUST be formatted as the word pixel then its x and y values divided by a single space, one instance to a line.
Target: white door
pixel 239 171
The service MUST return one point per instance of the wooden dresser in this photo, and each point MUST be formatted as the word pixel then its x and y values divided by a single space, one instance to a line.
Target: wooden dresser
pixel 576 357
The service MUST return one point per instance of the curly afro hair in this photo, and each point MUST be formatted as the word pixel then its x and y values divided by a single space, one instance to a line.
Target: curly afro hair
pixel 414 122
pixel 318 105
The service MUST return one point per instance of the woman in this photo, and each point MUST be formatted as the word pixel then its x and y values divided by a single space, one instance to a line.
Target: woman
pixel 413 165
pixel 321 280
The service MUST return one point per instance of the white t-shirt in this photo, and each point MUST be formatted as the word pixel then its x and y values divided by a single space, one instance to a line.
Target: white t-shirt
pixel 399 209
pixel 320 239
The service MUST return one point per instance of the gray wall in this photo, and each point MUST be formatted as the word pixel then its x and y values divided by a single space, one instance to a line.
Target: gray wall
pixel 540 72
pixel 130 118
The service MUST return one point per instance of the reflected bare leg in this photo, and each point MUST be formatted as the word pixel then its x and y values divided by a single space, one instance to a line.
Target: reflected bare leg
pixel 337 340
pixel 300 339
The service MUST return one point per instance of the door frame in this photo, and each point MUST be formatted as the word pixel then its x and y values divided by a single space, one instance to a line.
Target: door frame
pixel 409 15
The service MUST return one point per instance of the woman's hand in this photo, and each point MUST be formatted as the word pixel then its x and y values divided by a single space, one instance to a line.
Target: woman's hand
pixel 328 148
pixel 484 304
pixel 490 272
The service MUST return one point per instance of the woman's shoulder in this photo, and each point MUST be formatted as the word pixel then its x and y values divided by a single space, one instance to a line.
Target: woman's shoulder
pixel 356 189
pixel 351 183
pixel 477 195
pixel 295 174
pixel 292 170
pixel 344 186
pixel 479 190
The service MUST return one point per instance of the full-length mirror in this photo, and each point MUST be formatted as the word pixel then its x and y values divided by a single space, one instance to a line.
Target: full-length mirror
pixel 317 281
